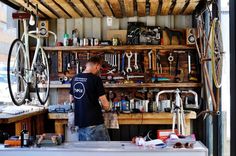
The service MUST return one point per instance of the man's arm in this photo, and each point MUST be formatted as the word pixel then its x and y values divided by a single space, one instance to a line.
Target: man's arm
pixel 71 98
pixel 105 103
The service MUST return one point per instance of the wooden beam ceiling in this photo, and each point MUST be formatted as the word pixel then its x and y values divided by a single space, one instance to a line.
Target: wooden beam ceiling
pixel 105 7
pixel 81 8
pixel 129 7
pixel 178 7
pixel 43 8
pixel 64 4
pixel 116 8
pixel 191 6
pixel 56 8
pixel 30 8
pixel 141 7
pixel 154 4
pixel 93 8
pixel 166 4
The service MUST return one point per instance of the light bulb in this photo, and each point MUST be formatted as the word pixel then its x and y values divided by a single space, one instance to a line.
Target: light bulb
pixel 32 21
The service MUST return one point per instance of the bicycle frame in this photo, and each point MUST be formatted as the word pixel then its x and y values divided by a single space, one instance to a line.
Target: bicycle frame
pixel 25 37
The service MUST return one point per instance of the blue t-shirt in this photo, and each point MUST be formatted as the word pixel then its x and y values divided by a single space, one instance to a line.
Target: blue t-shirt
pixel 86 88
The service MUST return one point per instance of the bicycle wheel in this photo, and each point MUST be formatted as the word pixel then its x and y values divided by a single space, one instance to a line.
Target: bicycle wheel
pixel 17 72
pixel 42 77
pixel 216 46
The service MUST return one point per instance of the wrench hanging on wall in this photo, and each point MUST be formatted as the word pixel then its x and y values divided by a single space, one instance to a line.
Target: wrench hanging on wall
pixel 150 59
pixel 129 56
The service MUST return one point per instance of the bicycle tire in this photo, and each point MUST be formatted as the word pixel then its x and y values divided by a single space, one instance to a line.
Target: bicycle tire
pixel 42 71
pixel 18 97
pixel 216 46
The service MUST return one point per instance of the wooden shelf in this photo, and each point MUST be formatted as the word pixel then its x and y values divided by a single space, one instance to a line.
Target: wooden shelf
pixel 117 48
pixel 138 85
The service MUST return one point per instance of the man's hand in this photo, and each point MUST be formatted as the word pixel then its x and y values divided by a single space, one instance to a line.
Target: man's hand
pixel 105 103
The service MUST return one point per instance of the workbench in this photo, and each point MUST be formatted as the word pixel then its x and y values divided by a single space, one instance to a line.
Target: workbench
pixel 25 119
pixel 102 148
pixel 161 118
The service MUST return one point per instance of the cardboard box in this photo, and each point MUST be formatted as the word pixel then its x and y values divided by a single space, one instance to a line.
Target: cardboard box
pixel 120 34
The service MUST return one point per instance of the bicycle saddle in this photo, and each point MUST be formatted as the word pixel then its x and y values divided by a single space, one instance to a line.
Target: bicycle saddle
pixel 21 15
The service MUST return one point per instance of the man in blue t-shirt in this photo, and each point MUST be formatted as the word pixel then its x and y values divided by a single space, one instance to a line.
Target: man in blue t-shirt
pixel 86 91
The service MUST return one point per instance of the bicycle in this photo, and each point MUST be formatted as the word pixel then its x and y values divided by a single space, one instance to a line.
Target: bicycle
pixel 20 74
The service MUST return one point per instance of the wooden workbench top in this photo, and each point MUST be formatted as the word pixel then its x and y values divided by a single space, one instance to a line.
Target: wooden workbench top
pixel 133 118
pixel 8 118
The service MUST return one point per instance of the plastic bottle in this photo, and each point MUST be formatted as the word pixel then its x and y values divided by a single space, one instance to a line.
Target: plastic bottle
pixel 66 39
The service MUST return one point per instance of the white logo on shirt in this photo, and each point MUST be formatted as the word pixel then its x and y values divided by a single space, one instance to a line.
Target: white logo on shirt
pixel 79 90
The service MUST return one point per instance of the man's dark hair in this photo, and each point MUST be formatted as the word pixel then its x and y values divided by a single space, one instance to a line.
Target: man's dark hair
pixel 95 60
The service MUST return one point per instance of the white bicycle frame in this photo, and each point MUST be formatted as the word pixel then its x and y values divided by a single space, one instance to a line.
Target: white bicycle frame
pixel 25 39
pixel 177 108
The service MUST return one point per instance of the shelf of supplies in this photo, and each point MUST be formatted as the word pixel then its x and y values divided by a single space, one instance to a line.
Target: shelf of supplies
pixel 138 85
pixel 117 48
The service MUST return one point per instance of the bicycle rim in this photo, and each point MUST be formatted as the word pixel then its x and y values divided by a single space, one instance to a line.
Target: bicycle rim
pixel 216 44
pixel 16 72
pixel 42 77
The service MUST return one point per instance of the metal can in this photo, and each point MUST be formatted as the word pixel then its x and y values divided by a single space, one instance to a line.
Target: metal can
pixel 115 41
pixel 85 42
pixel 96 42
pixel 91 42
pixel 81 42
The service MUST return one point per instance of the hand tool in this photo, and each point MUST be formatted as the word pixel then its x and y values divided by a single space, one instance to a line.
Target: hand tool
pixel 123 64
pixel 134 76
pixel 111 71
pixel 129 69
pixel 118 78
pixel 105 57
pixel 135 61
pixel 192 105
pixel 115 60
pixel 170 59
pixel 119 62
pixel 150 59
pixel 88 56
pixel 77 63
pixel 177 71
pixel 190 76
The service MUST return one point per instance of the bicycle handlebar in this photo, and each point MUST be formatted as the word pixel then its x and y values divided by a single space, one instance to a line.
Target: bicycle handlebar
pixel 55 36
pixel 36 32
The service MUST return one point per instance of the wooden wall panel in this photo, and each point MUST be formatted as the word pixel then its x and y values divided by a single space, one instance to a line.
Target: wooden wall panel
pixel 97 28
pixel 64 4
pixel 141 7
pixel 79 24
pixel 129 7
pixel 70 25
pixel 88 28
pixel 154 4
pixel 81 8
pixel 61 29
pixel 116 7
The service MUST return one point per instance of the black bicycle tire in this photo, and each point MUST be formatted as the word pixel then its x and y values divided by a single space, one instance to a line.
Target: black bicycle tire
pixel 42 102
pixel 8 74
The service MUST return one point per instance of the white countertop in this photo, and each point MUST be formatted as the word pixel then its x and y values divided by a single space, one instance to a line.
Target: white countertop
pixel 104 148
